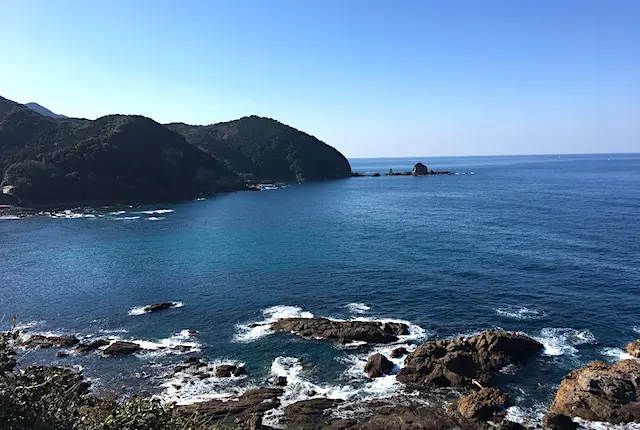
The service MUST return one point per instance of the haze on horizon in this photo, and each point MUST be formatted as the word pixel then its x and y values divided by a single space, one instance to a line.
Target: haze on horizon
pixel 371 78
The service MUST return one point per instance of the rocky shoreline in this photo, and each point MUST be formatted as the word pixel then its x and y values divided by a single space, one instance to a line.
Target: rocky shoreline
pixel 450 382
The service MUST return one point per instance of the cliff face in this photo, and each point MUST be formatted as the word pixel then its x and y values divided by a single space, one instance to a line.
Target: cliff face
pixel 265 149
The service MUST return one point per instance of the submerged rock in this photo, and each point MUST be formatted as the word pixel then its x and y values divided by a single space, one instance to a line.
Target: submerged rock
pixel 229 370
pixel 420 170
pixel 377 366
pixel 459 361
pixel 633 348
pixel 122 348
pixel 342 331
pixel 399 352
pixel 159 306
pixel 483 404
pixel 41 341
pixel 598 392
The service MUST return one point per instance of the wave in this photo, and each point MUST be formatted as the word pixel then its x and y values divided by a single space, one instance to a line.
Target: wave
pixel 69 214
pixel 28 325
pixel 253 331
pixel 522 313
pixel 170 345
pixel 616 353
pixel 155 218
pixel 357 308
pixel 561 341
pixel 118 213
pixel 636 329
pixel 530 417
pixel 127 218
pixel 140 310
pixel 156 211
pixel 9 217
pixel 596 425
pixel 200 199
pixel 113 331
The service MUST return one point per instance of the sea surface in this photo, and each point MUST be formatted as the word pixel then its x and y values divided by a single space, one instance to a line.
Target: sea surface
pixel 546 245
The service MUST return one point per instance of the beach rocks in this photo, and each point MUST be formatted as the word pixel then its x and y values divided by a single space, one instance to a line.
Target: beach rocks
pixel 420 170
pixel 399 352
pixel 88 347
pixel 309 414
pixel 229 370
pixel 41 341
pixel 378 365
pixel 633 348
pixel 483 404
pixel 159 306
pixel 244 408
pixel 559 422
pixel 459 361
pixel 342 331
pixel 122 348
pixel 598 392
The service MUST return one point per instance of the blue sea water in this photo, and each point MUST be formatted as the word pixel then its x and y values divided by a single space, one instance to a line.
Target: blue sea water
pixel 547 245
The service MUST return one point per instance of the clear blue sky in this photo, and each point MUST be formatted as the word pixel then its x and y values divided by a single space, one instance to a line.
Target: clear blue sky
pixel 372 78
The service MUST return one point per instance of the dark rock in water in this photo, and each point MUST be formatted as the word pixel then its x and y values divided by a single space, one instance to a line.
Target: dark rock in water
pixel 251 404
pixel 40 341
pixel 196 361
pixel 399 352
pixel 342 331
pixel 633 348
pixel 182 348
pixel 459 361
pixel 229 370
pixel 88 347
pixel 559 422
pixel 377 366
pixel 483 404
pixel 159 306
pixel 63 353
pixel 420 170
pixel 122 348
pixel 309 414
pixel 510 425
pixel 375 175
pixel 281 381
pixel 598 392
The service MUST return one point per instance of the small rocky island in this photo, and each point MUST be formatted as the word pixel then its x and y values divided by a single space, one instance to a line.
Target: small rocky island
pixel 418 170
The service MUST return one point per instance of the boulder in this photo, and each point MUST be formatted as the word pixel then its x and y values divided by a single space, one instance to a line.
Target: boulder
pixel 598 392
pixel 420 170
pixel 342 331
pixel 309 414
pixel 377 366
pixel 559 422
pixel 510 425
pixel 458 362
pixel 281 381
pixel 40 341
pixel 159 306
pixel 88 347
pixel 633 348
pixel 399 352
pixel 122 348
pixel 229 370
pixel 483 404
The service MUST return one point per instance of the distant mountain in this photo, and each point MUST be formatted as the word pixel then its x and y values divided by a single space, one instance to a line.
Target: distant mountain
pixel 46 161
pixel 263 148
pixel 43 110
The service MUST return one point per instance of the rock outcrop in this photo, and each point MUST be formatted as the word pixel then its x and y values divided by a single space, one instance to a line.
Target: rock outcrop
pixel 88 347
pixel 159 306
pixel 309 414
pixel 598 392
pixel 342 331
pixel 559 422
pixel 229 370
pixel 483 404
pixel 459 361
pixel 41 341
pixel 122 348
pixel 399 352
pixel 420 170
pixel 377 366
pixel 633 348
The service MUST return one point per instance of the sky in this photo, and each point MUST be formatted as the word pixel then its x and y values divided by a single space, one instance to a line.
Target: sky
pixel 371 78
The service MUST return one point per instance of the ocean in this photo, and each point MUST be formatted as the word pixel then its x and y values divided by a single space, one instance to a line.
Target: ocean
pixel 545 245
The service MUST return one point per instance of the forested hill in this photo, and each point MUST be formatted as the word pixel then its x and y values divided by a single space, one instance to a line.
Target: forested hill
pixel 46 161
pixel 267 149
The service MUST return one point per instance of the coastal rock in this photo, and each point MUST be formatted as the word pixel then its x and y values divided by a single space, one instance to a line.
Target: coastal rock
pixel 559 422
pixel 459 361
pixel 377 366
pixel 88 347
pixel 420 170
pixel 122 348
pixel 633 348
pixel 252 403
pixel 229 370
pixel 309 414
pixel 399 352
pixel 483 404
pixel 510 425
pixel 598 392
pixel 342 331
pixel 159 306
pixel 41 341
pixel 281 381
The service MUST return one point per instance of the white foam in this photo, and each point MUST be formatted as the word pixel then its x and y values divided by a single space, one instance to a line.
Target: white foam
pixel 636 329
pixel 127 218
pixel 561 341
pixel 140 310
pixel 200 199
pixel 528 417
pixel 166 346
pixel 117 213
pixel 522 313
pixel 155 218
pixel 253 331
pixel 28 325
pixel 9 217
pixel 156 212
pixel 596 425
pixel 616 353
pixel 114 331
pixel 69 214
pixel 358 308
